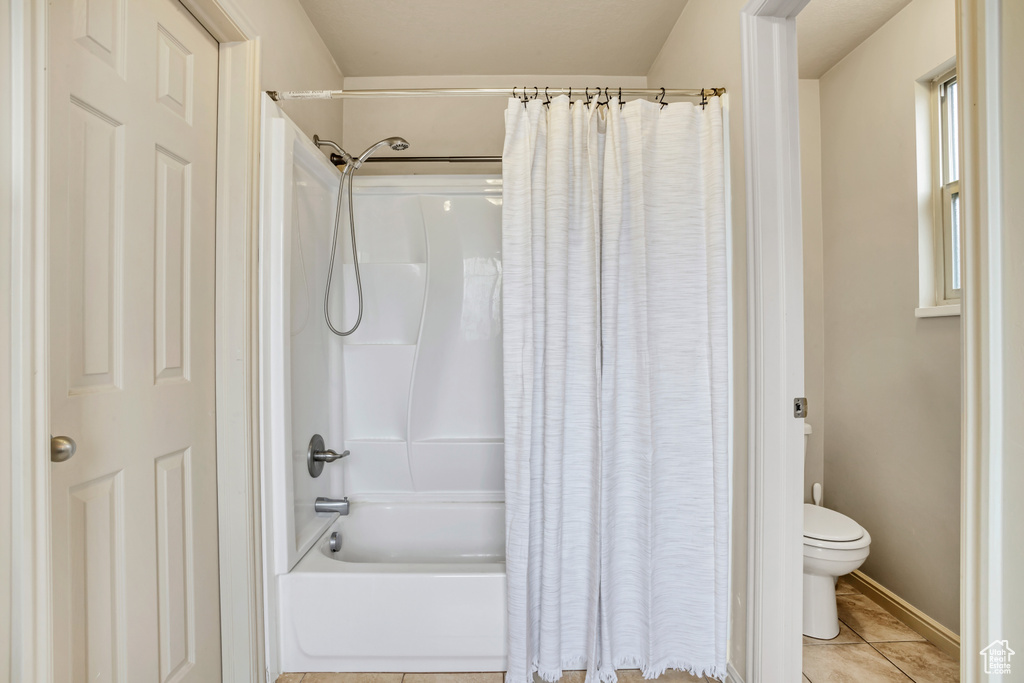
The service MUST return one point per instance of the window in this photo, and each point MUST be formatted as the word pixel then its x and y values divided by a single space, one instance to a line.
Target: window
pixel 948 190
pixel 938 192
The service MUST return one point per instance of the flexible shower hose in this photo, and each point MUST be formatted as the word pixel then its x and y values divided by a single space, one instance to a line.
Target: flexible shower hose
pixel 348 172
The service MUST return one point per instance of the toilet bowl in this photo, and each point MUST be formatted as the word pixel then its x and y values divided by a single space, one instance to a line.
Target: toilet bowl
pixel 834 545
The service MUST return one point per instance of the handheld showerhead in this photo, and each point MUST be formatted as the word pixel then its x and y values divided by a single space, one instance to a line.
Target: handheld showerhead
pixel 351 166
pixel 396 143
pixel 342 157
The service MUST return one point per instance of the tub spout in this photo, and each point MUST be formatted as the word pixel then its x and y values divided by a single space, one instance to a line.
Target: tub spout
pixel 328 505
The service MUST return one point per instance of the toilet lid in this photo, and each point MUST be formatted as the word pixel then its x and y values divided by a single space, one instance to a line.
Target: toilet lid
pixel 829 525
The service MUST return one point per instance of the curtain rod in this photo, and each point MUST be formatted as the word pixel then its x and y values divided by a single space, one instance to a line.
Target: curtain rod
pixel 450 160
pixel 528 92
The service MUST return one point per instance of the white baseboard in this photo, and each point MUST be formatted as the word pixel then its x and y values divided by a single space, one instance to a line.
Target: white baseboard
pixel 937 634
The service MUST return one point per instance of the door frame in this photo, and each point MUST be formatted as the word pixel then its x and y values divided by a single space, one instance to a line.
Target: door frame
pixel 989 36
pixel 992 481
pixel 775 340
pixel 26 404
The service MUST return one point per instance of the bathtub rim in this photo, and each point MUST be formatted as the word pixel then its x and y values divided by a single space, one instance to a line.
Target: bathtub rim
pixel 318 560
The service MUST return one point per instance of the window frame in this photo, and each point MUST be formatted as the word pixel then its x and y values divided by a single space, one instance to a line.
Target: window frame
pixel 944 190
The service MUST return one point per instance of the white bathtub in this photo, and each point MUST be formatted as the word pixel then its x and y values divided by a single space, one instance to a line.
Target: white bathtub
pixel 418 585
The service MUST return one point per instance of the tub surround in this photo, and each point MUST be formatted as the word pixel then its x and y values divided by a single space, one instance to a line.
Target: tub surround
pixel 298 358
pixel 415 394
pixel 422 406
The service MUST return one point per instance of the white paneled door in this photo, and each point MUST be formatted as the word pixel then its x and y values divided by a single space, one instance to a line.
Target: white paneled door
pixel 132 157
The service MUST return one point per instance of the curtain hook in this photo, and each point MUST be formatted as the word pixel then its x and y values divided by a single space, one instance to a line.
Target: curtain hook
pixel 620 98
pixel 661 99
pixel 524 97
pixel 587 91
pixel 703 99
pixel 547 98
pixel 536 92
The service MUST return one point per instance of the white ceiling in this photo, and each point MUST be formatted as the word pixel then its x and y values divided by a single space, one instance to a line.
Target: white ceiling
pixel 494 37
pixel 498 37
pixel 828 30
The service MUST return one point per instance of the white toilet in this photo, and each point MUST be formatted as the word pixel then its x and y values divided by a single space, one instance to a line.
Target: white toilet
pixel 834 545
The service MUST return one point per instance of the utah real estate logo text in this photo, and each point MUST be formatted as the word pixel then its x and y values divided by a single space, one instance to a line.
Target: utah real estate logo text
pixel 997 657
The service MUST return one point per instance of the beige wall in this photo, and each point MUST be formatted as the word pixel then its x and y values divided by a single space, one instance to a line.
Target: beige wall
pixel 892 381
pixel 446 126
pixel 294 57
pixel 704 50
pixel 814 310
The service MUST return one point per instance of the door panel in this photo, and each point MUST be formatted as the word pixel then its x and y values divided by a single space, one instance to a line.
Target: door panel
pixel 132 139
pixel 95 197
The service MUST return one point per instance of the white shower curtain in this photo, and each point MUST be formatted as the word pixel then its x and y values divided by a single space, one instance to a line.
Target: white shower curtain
pixel 616 388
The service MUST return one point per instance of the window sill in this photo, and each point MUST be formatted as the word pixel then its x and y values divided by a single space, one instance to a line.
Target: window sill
pixel 937 311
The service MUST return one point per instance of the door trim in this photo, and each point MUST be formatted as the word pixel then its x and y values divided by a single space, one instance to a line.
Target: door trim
pixel 27 402
pixel 31 615
pixel 991 482
pixel 775 338
pixel 988 39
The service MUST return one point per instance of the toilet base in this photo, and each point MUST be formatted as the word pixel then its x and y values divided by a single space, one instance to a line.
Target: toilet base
pixel 821 620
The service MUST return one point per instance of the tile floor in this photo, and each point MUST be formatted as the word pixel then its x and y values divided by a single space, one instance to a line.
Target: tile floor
pixel 873 646
pixel 631 676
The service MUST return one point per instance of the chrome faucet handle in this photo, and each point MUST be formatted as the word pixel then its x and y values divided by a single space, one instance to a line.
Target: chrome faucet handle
pixel 317 455
pixel 328 455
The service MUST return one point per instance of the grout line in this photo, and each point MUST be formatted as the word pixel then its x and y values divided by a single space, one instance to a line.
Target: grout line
pixel 853 631
pixel 891 661
pixel 872 644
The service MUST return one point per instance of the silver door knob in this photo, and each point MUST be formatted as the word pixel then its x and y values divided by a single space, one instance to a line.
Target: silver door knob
pixel 62 448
